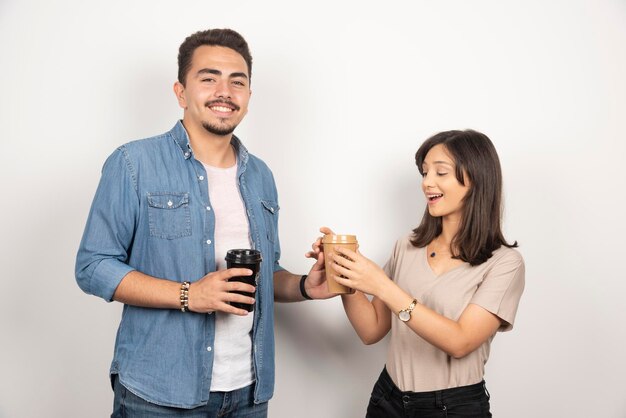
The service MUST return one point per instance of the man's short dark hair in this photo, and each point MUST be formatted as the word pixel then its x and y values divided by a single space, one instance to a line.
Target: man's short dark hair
pixel 213 37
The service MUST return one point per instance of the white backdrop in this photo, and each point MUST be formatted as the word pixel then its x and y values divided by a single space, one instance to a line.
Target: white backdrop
pixel 343 94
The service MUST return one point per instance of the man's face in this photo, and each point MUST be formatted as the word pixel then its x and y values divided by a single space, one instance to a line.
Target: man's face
pixel 217 90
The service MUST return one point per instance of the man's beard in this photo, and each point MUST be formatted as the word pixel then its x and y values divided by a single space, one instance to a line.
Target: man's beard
pixel 218 130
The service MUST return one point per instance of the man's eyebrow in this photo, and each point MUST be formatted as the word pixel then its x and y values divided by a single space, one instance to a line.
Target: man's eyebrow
pixel 235 75
pixel 218 72
pixel 208 71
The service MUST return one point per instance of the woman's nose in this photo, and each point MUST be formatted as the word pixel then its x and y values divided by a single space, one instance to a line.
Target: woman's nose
pixel 427 180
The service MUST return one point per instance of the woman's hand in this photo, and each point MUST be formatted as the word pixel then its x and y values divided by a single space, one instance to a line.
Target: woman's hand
pixel 359 272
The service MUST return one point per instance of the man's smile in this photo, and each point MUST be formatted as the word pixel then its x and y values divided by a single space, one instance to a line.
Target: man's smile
pixel 222 106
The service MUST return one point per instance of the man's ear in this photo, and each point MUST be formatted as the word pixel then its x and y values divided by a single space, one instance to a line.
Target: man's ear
pixel 179 91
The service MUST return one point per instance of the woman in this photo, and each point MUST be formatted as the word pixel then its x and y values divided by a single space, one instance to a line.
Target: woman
pixel 446 290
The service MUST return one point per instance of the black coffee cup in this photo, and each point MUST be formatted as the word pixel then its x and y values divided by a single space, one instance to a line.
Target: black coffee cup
pixel 246 259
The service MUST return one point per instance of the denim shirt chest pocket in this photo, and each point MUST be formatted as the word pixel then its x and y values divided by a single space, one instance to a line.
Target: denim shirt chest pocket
pixel 270 216
pixel 169 215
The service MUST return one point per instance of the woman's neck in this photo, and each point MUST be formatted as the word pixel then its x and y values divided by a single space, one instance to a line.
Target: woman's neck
pixel 449 228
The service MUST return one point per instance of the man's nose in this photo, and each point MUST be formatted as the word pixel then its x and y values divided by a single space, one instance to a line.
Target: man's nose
pixel 223 90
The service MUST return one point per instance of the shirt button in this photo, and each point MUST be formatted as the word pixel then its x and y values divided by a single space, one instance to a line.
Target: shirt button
pixel 209 349
pixel 208 208
pixel 200 178
pixel 208 241
pixel 186 154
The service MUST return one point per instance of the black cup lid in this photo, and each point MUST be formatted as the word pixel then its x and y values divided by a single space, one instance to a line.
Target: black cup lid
pixel 243 256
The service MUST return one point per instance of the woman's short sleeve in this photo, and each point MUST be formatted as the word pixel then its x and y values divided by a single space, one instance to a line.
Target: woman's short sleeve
pixel 390 266
pixel 502 287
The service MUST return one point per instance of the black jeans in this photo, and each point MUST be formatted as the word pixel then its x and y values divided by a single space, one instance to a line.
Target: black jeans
pixel 387 401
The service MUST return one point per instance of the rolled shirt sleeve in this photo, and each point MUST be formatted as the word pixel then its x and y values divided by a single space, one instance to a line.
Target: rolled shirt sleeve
pixel 101 262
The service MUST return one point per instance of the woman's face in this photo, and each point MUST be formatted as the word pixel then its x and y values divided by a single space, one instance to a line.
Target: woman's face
pixel 444 194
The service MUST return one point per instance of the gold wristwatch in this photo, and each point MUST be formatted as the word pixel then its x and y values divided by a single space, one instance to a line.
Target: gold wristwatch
pixel 405 314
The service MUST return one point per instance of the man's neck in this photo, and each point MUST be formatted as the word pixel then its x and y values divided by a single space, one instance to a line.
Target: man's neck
pixel 211 149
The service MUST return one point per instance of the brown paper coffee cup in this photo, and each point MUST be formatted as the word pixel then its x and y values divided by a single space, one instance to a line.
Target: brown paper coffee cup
pixel 329 242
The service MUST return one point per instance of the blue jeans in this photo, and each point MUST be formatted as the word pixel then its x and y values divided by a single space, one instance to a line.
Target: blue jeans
pixel 387 401
pixel 236 404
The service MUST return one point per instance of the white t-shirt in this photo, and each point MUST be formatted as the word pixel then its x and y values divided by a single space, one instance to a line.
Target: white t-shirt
pixel 232 349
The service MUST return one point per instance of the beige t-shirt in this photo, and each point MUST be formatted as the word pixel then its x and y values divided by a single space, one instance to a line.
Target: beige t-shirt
pixel 496 285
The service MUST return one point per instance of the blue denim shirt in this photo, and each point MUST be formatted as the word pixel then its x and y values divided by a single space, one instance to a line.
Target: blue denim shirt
pixel 152 213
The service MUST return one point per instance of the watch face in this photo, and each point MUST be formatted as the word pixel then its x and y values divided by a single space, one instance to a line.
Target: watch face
pixel 404 316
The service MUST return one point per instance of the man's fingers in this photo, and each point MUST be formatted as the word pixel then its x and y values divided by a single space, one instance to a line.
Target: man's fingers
pixel 225 275
pixel 226 308
pixel 237 298
pixel 320 260
pixel 326 230
pixel 234 286
pixel 317 245
pixel 227 298
pixel 234 272
pixel 233 297
pixel 239 312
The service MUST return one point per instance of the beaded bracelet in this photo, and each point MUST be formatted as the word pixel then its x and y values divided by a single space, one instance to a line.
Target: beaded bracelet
pixel 184 296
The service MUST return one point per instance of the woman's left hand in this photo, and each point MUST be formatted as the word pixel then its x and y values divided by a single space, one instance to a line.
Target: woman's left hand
pixel 360 272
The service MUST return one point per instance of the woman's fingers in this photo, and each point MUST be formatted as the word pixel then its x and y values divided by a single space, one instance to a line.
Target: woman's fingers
pixel 345 271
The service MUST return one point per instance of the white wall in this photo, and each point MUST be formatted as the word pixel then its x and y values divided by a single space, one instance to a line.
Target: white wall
pixel 344 92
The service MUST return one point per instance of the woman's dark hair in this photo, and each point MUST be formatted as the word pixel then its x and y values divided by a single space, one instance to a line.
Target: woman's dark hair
pixel 479 233
pixel 213 37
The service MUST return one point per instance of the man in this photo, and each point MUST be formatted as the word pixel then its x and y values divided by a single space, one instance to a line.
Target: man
pixel 166 211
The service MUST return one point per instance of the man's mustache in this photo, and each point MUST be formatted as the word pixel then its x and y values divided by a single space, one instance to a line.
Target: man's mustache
pixel 221 101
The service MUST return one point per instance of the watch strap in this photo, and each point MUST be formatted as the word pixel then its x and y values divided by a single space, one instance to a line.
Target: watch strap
pixel 407 311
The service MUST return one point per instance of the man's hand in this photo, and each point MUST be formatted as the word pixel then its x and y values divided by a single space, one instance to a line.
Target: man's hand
pixel 214 291
pixel 315 284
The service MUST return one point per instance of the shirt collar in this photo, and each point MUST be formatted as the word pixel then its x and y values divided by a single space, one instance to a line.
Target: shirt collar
pixel 182 140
